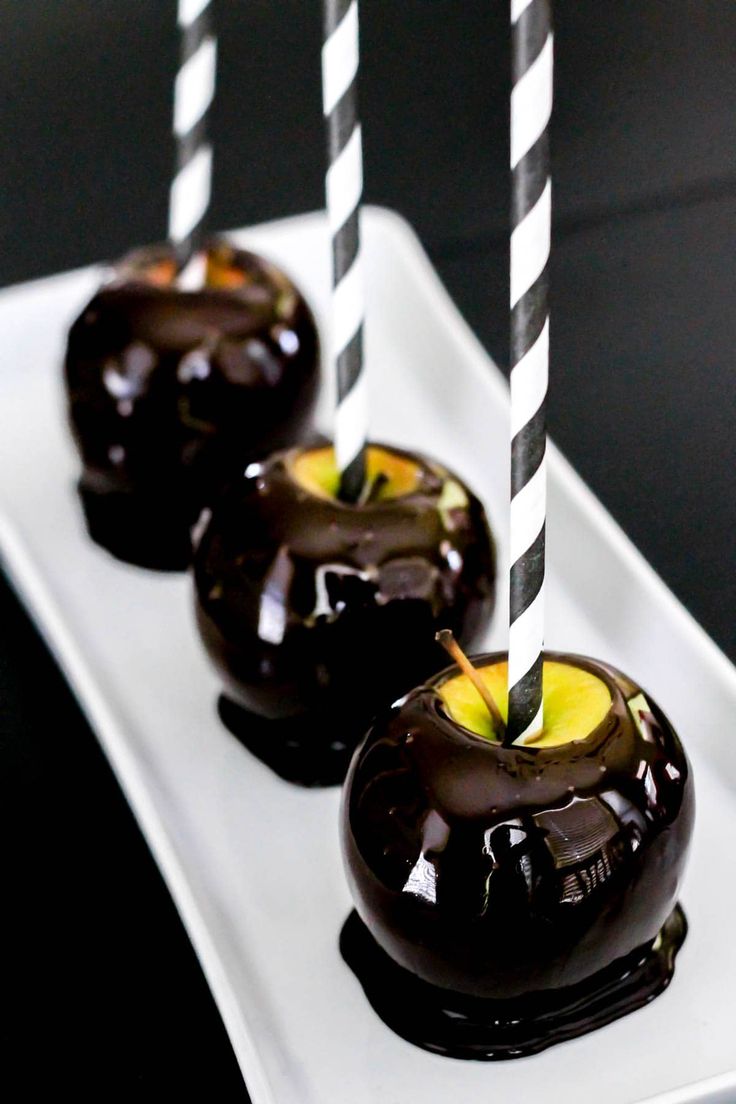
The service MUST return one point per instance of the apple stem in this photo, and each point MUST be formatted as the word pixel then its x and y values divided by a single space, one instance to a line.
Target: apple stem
pixel 450 644
pixel 372 489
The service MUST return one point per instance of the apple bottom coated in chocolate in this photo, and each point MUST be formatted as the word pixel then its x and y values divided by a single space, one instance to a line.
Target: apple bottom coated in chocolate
pixel 318 612
pixel 509 898
pixel 171 392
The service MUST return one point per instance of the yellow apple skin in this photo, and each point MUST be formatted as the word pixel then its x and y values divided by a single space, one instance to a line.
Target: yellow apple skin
pixel 393 474
pixel 575 701
pixel 497 872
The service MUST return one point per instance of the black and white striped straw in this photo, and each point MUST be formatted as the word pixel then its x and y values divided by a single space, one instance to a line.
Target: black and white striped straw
pixel 194 90
pixel 344 188
pixel 531 106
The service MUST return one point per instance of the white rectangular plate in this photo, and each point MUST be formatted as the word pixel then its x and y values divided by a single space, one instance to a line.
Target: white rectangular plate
pixel 252 862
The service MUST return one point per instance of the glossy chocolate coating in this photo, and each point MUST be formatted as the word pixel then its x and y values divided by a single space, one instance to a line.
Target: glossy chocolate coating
pixel 502 872
pixel 172 392
pixel 322 612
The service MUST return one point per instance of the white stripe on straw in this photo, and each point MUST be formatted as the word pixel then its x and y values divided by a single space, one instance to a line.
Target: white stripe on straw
pixel 189 10
pixel 194 88
pixel 518 7
pixel 353 417
pixel 190 197
pixel 348 309
pixel 528 511
pixel 531 104
pixel 340 60
pixel 530 246
pixel 529 382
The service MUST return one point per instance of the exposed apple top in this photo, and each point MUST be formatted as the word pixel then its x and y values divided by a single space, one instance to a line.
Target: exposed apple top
pixel 575 702
pixel 390 474
pixel 227 269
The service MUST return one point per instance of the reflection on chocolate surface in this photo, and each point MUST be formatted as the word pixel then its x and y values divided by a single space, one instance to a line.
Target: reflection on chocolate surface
pixel 171 392
pixel 316 612
pixel 534 888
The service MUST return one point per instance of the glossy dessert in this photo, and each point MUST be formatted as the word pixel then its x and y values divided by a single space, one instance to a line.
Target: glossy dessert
pixel 318 612
pixel 510 897
pixel 172 392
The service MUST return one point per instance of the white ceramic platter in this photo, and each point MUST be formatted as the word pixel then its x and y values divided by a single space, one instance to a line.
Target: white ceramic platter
pixel 252 862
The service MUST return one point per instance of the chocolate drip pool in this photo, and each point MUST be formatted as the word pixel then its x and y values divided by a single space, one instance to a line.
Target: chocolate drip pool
pixel 309 752
pixel 489 1030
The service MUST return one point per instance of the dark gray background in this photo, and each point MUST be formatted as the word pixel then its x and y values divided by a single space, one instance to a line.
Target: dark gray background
pixel 103 987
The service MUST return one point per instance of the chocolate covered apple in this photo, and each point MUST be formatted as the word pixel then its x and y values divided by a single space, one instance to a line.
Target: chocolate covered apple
pixel 172 392
pixel 509 897
pixel 316 612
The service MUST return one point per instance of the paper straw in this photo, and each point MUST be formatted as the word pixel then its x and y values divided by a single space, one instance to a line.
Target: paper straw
pixel 531 105
pixel 194 90
pixel 344 187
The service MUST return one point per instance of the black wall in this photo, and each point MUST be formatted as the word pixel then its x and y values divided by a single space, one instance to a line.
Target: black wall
pixel 643 385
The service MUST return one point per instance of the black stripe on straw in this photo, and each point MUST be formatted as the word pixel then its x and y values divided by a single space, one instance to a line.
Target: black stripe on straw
pixel 334 13
pixel 527 451
pixel 345 245
pixel 189 143
pixel 529 316
pixel 193 35
pixel 528 695
pixel 348 362
pixel 530 565
pixel 342 121
pixel 529 179
pixel 529 35
pixel 353 479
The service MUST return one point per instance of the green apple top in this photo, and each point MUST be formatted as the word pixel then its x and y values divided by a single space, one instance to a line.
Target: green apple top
pixel 575 702
pixel 390 474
